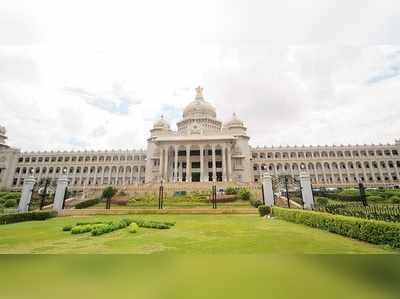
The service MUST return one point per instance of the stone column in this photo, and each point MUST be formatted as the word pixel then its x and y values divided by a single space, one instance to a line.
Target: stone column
pixel 26 195
pixel 176 165
pixel 229 164
pixel 223 164
pixel 306 190
pixel 62 183
pixel 188 168
pixel 268 191
pixel 166 176
pixel 214 166
pixel 161 162
pixel 201 163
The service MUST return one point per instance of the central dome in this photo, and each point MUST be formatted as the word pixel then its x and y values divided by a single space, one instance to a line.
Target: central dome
pixel 199 108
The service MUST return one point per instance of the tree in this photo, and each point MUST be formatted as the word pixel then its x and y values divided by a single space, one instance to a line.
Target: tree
pixel 108 194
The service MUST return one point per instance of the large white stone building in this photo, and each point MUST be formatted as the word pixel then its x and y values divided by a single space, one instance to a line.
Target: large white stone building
pixel 203 149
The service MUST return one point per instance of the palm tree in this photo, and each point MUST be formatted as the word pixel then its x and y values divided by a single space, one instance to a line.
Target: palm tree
pixel 108 194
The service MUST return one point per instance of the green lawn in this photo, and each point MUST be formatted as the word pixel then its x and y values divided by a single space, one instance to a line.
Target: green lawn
pixel 197 234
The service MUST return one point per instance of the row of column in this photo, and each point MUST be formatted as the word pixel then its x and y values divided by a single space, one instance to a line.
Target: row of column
pixel 178 171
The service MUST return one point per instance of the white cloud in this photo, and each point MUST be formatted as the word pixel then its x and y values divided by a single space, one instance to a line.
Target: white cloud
pixel 295 71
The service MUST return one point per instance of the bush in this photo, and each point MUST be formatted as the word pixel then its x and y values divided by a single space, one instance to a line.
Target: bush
pixel 10 203
pixel 347 195
pixel 255 202
pixel 244 194
pixel 395 199
pixel 133 228
pixel 81 229
pixel 374 198
pixel 231 191
pixel 321 201
pixel 264 210
pixel 28 216
pixel 67 228
pixel 87 203
pixel 372 231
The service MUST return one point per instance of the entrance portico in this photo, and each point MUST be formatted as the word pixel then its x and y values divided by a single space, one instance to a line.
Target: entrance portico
pixel 183 159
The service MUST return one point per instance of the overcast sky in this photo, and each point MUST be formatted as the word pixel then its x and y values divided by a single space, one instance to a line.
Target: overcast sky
pixel 97 74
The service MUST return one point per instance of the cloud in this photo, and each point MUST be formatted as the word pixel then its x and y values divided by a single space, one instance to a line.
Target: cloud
pixel 118 101
pixel 306 72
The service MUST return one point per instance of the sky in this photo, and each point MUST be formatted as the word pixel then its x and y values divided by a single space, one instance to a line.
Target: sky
pixel 78 75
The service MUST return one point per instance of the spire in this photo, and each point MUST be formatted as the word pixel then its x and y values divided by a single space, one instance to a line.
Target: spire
pixel 199 93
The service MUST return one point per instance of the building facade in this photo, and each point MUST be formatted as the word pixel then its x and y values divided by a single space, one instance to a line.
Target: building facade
pixel 203 149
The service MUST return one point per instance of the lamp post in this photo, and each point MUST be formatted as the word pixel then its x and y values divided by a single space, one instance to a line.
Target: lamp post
pixel 160 195
pixel 363 197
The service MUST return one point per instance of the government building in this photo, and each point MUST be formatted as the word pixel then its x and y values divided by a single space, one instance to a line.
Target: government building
pixel 203 149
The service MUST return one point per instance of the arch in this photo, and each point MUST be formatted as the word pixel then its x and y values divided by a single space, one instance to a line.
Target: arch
pixel 285 155
pixel 316 154
pixel 277 155
pixel 310 166
pixel 293 155
pixel 342 165
pixel 332 154
pixel 99 169
pixel 335 166
pixel 324 154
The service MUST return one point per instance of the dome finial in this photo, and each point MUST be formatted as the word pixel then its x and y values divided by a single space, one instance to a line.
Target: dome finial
pixel 199 92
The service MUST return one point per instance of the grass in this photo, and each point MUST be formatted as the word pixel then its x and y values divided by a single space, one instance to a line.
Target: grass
pixel 193 234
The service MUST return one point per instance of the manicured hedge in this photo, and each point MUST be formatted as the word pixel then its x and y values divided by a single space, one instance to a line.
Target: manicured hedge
pixel 264 210
pixel 87 203
pixel 372 231
pixel 28 216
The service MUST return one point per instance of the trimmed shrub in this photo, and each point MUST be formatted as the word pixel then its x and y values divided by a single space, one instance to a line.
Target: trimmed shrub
pixel 264 210
pixel 372 231
pixel 87 203
pixel 255 202
pixel 395 199
pixel 231 191
pixel 81 229
pixel 244 194
pixel 374 198
pixel 28 216
pixel 133 228
pixel 10 203
pixel 67 228
pixel 321 201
